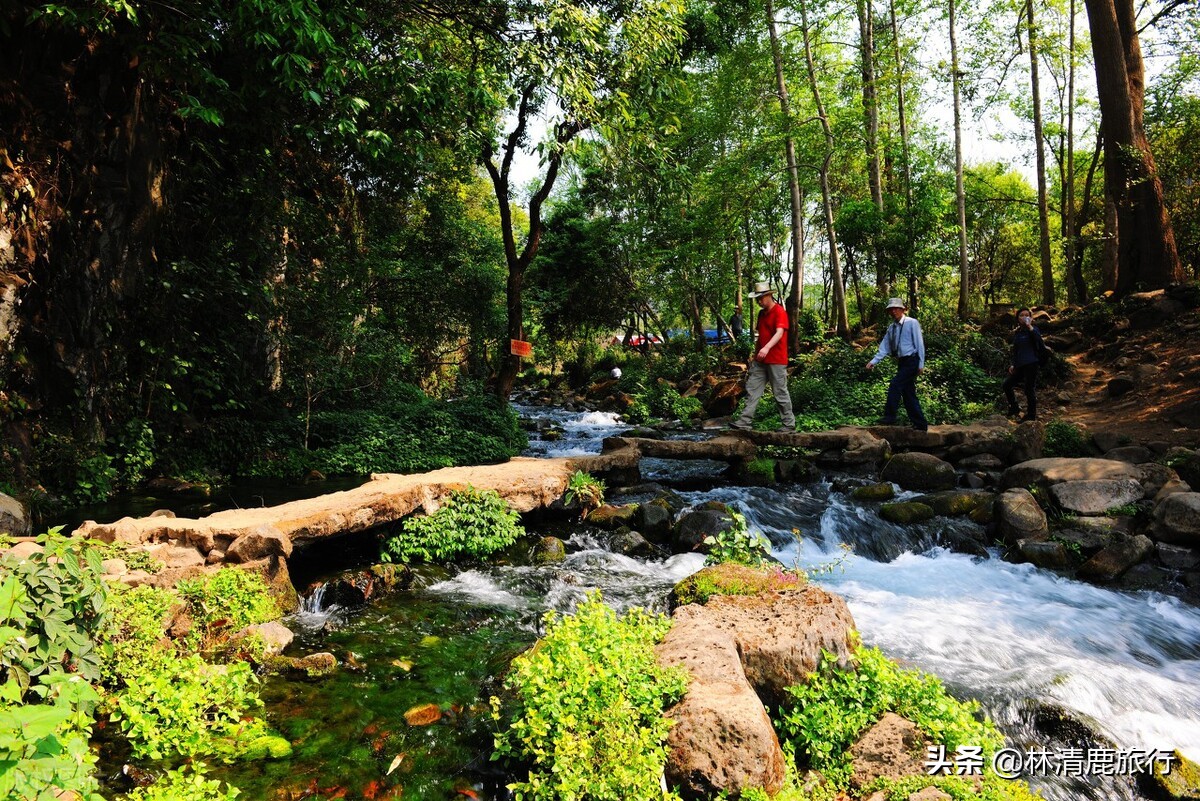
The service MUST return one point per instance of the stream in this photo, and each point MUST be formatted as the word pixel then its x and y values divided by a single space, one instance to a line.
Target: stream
pixel 1020 640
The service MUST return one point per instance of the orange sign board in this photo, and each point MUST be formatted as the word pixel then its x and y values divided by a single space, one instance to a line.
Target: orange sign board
pixel 519 348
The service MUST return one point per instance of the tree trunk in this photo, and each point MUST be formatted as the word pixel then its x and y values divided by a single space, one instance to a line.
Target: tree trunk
pixel 1039 141
pixel 906 166
pixel 866 35
pixel 796 299
pixel 964 284
pixel 1146 255
pixel 835 267
pixel 1076 290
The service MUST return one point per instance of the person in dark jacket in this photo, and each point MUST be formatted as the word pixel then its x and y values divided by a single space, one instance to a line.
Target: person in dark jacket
pixel 1028 353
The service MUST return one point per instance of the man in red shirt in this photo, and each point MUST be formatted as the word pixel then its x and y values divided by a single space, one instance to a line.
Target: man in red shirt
pixel 769 361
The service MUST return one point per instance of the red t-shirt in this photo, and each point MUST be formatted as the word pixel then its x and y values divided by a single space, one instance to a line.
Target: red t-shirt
pixel 769 320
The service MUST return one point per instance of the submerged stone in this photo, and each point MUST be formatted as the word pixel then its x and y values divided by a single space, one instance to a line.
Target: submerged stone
pixel 423 715
pixel 906 512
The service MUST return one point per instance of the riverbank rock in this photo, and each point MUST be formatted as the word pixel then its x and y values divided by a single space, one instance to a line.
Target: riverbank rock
pixel 1096 497
pixel 1112 562
pixel 1177 520
pixel 260 543
pixel 275 636
pixel 906 512
pixel 1186 463
pixel 14 520
pixel 1049 554
pixel 1020 518
pixel 1155 476
pixel 984 462
pixel 1028 441
pixel 654 519
pixel 919 471
pixel 1182 782
pixel 628 542
pixel 893 748
pixel 1057 469
pixel 722 738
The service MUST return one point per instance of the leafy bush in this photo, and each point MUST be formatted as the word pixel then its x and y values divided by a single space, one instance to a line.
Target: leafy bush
pixel 837 705
pixel 471 522
pixel 1064 439
pixel 586 707
pixel 185 784
pixel 663 400
pixel 53 605
pixel 228 601
pixel 585 491
pixel 738 545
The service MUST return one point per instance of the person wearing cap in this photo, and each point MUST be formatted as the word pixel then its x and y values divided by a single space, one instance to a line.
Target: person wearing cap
pixel 769 361
pixel 903 341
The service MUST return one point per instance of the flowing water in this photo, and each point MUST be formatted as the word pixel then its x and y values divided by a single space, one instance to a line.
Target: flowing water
pixel 1018 639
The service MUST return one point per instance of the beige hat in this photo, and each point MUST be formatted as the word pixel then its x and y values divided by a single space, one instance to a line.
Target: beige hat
pixel 896 303
pixel 761 288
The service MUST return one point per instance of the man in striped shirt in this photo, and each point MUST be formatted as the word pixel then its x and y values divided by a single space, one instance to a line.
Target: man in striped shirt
pixel 902 340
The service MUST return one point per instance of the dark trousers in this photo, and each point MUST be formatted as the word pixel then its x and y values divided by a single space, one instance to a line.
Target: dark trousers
pixel 904 385
pixel 1026 377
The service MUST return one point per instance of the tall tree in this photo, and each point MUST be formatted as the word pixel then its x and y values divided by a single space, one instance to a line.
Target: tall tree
pixel 1145 253
pixel 866 39
pixel 1040 150
pixel 795 301
pixel 584 65
pixel 841 317
pixel 964 285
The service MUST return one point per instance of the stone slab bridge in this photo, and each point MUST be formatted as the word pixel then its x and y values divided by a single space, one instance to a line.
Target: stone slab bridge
pixel 265 537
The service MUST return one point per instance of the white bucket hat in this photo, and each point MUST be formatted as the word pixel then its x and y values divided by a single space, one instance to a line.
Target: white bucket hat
pixel 896 303
pixel 761 288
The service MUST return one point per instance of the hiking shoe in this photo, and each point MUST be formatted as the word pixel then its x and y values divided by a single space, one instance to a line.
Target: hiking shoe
pixel 1029 418
pixel 920 428
pixel 883 421
pixel 737 427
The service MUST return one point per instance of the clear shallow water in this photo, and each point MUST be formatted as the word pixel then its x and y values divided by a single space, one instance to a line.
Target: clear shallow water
pixel 1012 636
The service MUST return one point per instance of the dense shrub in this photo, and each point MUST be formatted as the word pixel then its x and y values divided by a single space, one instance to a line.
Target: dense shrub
pixel 470 523
pixel 830 712
pixel 1065 439
pixel 586 704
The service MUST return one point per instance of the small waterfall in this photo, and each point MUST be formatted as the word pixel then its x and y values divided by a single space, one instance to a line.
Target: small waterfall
pixel 313 613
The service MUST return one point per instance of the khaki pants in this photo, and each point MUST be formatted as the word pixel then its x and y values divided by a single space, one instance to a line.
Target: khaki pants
pixel 756 383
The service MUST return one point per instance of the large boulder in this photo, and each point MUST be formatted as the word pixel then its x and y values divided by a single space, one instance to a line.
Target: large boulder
pixel 883 491
pixel 653 520
pixel 1155 476
pixel 722 738
pixel 892 749
pixel 1177 519
pixel 613 517
pixel 14 520
pixel 919 471
pixel 1028 441
pixel 906 512
pixel 693 527
pixel 1049 554
pixel 1057 469
pixel 1186 463
pixel 953 503
pixel 1134 454
pixel 1019 517
pixel 781 635
pixel 1112 562
pixel 1096 497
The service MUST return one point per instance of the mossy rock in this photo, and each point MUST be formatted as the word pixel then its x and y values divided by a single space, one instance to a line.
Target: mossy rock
pixel 953 503
pixel 756 472
pixel 714 506
pixel 906 512
pixel 729 578
pixel 984 513
pixel 883 491
pixel 269 746
pixel 549 551
pixel 1183 782
pixel 613 517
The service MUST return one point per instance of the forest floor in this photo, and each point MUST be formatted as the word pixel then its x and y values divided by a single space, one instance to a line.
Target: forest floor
pixel 1163 365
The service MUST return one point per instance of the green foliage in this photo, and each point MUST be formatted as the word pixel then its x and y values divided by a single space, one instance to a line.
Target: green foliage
pixel 470 523
pixel 664 401
pixel 739 545
pixel 730 578
pixel 830 712
pixel 134 558
pixel 228 601
pixel 405 438
pixel 585 491
pixel 1064 439
pixel 185 784
pixel 586 707
pixel 1124 510
pixel 959 788
pixel 53 605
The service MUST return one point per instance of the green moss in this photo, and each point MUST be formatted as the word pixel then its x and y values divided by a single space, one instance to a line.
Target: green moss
pixel 953 503
pixel 958 788
pixel 729 578
pixel 1183 782
pixel 759 471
